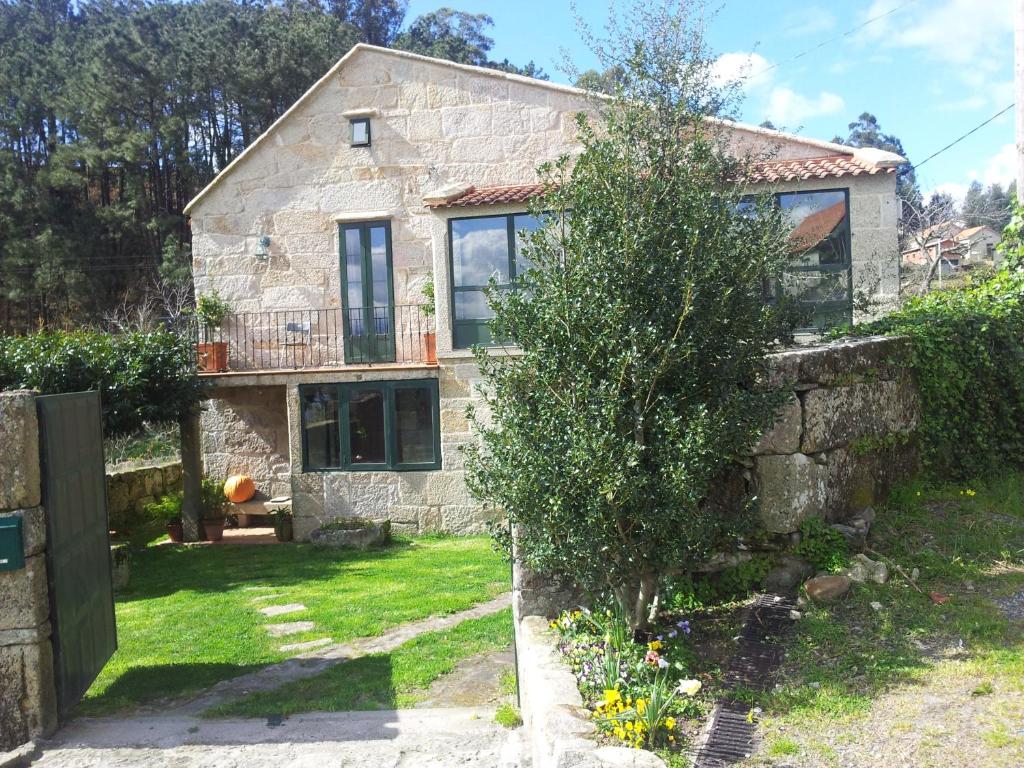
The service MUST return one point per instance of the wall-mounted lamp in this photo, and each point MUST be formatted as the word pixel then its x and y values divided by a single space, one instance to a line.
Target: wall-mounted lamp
pixel 261 247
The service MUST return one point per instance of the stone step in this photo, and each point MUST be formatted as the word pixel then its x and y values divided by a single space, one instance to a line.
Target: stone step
pixel 307 646
pixel 289 628
pixel 281 610
pixel 261 598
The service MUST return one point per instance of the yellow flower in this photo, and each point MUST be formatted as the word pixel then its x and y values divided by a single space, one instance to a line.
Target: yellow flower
pixel 654 645
pixel 611 696
pixel 970 492
pixel 641 706
pixel 621 733
pixel 629 726
pixel 670 723
pixel 689 687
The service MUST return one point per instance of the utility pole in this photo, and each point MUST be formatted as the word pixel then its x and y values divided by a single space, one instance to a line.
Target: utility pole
pixel 1018 72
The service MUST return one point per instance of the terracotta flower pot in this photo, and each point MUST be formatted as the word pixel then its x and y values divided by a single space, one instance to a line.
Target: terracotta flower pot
pixel 175 532
pixel 212 357
pixel 283 529
pixel 430 348
pixel 214 529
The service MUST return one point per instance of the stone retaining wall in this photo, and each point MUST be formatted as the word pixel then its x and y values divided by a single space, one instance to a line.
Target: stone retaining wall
pixel 129 490
pixel 27 694
pixel 845 436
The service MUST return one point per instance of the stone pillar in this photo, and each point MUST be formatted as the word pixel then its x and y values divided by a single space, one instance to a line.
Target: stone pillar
pixel 28 699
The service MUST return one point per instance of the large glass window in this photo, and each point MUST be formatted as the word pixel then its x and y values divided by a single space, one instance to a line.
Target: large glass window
pixel 819 276
pixel 483 248
pixel 365 426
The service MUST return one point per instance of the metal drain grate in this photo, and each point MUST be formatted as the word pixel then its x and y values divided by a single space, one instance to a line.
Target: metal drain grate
pixel 758 655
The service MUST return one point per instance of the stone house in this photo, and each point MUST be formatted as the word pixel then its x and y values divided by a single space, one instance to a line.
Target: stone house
pixel 397 170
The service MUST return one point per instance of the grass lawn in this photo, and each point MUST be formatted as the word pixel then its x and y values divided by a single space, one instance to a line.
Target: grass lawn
pixel 909 679
pixel 394 680
pixel 190 618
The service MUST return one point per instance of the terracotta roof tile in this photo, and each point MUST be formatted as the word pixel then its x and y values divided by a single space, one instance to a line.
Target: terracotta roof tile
pixel 516 193
pixel 833 166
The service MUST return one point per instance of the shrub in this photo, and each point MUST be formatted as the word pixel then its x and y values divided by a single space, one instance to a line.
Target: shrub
pixel 967 352
pixel 822 546
pixel 642 333
pixel 141 377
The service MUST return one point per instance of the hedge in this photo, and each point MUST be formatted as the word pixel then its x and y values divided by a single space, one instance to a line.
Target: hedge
pixel 141 376
pixel 968 357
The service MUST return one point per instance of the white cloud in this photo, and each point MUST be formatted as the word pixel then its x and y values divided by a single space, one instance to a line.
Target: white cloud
pixel 1001 167
pixel 751 70
pixel 957 31
pixel 951 188
pixel 789 108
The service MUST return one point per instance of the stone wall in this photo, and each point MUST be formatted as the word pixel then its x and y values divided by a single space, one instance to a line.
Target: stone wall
pixel 27 694
pixel 415 502
pixel 435 126
pixel 845 436
pixel 245 432
pixel 130 490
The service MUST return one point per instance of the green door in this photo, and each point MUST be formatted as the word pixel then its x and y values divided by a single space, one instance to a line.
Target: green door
pixel 77 541
pixel 368 307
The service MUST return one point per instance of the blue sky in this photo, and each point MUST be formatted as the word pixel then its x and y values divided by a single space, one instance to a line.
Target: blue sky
pixel 930 71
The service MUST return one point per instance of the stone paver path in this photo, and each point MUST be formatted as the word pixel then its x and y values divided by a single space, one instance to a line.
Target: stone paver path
pixel 281 610
pixel 316 661
pixel 475 682
pixel 289 628
pixel 434 738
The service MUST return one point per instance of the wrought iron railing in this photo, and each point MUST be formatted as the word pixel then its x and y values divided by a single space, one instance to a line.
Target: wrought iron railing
pixel 317 338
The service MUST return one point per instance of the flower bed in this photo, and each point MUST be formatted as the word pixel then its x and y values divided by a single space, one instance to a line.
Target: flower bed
pixel 639 694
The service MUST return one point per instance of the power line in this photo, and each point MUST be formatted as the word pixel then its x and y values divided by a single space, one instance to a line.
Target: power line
pixel 822 44
pixel 956 141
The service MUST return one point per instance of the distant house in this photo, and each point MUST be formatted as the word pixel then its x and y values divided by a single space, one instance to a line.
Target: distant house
pixel 957 246
pixel 396 173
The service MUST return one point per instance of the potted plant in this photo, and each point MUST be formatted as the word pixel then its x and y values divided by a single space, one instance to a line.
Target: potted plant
pixel 211 353
pixel 168 509
pixel 429 337
pixel 213 504
pixel 282 517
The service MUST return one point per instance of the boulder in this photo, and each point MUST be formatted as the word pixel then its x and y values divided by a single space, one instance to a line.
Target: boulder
pixel 355 534
pixel 790 489
pixel 863 568
pixel 788 575
pixel 825 589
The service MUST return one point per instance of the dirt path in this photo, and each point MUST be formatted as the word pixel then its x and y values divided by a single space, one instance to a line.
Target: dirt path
pixel 439 738
pixel 948 718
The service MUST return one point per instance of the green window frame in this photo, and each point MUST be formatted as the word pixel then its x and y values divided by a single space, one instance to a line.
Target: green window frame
pixel 828 312
pixel 467 332
pixel 341 439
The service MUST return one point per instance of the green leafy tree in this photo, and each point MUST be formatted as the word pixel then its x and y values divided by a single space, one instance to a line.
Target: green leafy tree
pixel 461 37
pixel 641 333
pixel 865 131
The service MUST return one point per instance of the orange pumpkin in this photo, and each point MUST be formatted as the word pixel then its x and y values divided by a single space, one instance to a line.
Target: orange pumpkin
pixel 239 488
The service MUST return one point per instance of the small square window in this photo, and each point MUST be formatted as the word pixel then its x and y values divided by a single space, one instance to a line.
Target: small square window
pixel 360 132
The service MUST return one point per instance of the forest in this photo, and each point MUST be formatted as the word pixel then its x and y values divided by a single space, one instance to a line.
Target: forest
pixel 114 113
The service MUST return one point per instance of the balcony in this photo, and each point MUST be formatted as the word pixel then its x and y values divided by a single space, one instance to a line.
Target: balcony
pixel 292 340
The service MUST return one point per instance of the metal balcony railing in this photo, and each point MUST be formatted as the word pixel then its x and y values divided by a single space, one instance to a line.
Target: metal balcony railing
pixel 317 338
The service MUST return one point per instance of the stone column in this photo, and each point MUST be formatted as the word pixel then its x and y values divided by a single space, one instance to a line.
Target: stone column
pixel 28 700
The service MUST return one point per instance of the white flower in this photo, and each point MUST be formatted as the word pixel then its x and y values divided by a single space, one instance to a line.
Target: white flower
pixel 662 663
pixel 688 687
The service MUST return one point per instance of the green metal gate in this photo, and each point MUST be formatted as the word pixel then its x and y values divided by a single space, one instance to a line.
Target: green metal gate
pixel 78 542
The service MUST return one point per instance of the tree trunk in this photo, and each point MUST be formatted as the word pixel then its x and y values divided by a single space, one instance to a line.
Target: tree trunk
pixel 191 474
pixel 637 601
